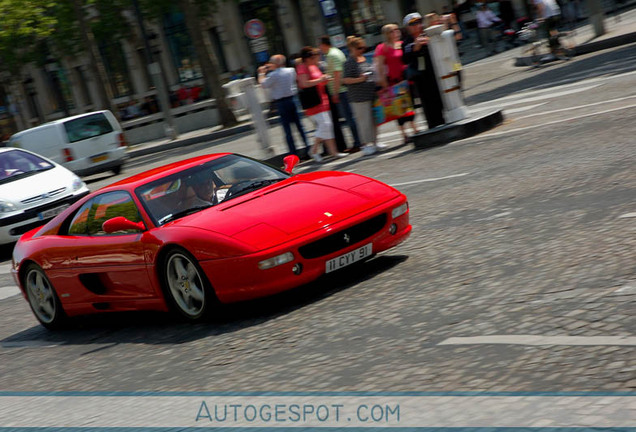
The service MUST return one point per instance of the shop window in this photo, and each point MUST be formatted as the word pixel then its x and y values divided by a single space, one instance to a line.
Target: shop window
pixel 58 82
pixel 85 94
pixel 116 68
pixel 182 51
pixel 361 17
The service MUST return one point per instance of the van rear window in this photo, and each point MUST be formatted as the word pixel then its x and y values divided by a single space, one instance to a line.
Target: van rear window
pixel 87 127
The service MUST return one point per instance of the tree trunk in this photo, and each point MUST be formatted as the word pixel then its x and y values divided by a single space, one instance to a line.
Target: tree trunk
pixel 208 62
pixel 96 66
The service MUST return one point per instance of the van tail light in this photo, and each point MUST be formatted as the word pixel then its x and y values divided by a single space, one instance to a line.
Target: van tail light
pixel 67 155
pixel 122 140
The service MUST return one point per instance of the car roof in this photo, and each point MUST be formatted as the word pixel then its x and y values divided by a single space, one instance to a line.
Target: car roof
pixel 58 121
pixel 161 172
pixel 65 119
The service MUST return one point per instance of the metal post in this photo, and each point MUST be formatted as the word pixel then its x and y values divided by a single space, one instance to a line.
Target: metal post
pixel 595 9
pixel 254 106
pixel 443 50
pixel 158 78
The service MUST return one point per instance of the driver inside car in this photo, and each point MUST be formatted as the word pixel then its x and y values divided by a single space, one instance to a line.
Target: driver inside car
pixel 198 190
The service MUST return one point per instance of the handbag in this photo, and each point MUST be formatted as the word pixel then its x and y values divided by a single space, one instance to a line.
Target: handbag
pixel 309 97
pixel 392 103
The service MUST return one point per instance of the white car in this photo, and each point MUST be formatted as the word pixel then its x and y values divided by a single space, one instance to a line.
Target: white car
pixel 33 190
pixel 87 144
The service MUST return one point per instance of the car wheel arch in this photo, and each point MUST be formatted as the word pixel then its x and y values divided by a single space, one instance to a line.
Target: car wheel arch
pixel 24 265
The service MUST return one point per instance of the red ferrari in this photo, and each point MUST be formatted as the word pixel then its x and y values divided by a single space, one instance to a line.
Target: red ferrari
pixel 216 228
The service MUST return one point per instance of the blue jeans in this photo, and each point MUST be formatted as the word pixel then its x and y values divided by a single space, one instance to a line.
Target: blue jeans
pixel 344 109
pixel 288 115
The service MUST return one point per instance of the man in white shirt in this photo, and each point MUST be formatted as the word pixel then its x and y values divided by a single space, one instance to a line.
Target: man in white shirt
pixel 281 84
pixel 485 20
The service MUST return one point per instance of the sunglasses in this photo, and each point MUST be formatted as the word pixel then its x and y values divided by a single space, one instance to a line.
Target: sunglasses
pixel 415 22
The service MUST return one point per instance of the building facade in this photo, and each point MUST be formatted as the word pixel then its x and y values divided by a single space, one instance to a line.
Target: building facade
pixel 241 36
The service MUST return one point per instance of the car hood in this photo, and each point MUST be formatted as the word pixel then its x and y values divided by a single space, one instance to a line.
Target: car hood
pixel 291 209
pixel 39 188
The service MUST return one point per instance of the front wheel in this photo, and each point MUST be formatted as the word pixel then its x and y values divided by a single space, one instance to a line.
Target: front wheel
pixel 186 286
pixel 42 297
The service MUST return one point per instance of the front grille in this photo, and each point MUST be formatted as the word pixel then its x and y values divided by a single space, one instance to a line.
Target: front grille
pixel 335 242
pixel 33 212
pixel 44 196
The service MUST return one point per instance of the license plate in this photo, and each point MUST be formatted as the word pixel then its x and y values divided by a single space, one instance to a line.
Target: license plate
pixel 99 158
pixel 349 258
pixel 46 214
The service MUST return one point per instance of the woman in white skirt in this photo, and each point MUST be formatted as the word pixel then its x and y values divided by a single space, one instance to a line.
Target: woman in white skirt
pixel 309 75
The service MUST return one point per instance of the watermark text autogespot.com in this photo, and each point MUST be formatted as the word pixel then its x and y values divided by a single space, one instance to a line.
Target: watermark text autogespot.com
pixel 306 413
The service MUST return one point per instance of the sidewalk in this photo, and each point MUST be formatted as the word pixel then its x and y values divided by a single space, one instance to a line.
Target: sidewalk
pixel 620 30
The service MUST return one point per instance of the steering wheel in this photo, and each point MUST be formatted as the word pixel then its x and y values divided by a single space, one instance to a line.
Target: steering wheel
pixel 234 188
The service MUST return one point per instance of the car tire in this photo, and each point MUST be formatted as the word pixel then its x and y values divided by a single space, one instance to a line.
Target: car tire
pixel 43 299
pixel 187 289
pixel 116 170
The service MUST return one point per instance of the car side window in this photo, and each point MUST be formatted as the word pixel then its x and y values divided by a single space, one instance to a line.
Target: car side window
pixel 79 224
pixel 89 218
pixel 108 206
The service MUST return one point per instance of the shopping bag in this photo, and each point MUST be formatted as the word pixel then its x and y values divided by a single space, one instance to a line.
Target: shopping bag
pixel 392 103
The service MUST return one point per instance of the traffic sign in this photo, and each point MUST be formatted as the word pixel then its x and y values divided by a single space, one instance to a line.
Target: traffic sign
pixel 254 29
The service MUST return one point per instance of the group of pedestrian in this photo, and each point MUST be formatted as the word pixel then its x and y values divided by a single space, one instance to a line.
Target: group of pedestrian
pixel 348 87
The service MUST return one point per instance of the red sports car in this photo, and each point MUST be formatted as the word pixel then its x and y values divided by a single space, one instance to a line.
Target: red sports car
pixel 215 228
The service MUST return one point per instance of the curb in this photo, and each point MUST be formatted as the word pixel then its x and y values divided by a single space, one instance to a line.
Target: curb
pixel 445 134
pixel 247 127
pixel 587 48
pixel 613 42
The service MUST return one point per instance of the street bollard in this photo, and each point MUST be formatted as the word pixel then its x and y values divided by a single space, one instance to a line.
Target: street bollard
pixel 459 123
pixel 254 107
pixel 443 50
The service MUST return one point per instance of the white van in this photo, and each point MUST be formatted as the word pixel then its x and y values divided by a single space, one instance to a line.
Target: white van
pixel 86 144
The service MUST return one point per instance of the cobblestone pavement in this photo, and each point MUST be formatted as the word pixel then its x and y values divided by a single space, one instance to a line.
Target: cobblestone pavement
pixel 526 230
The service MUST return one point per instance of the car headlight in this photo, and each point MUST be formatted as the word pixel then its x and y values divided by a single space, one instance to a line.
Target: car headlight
pixel 77 184
pixel 399 211
pixel 276 261
pixel 6 207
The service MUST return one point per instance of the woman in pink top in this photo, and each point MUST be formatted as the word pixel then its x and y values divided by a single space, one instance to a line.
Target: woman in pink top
pixel 390 68
pixel 309 75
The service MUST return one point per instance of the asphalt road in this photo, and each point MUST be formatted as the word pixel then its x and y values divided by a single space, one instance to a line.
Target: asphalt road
pixel 519 276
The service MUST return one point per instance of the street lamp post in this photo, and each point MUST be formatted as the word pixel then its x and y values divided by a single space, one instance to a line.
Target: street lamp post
pixel 158 77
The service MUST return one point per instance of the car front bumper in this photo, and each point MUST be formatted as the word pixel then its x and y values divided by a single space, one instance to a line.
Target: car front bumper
pixel 238 279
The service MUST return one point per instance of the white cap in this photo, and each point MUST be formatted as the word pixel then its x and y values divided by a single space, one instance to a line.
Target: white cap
pixel 411 17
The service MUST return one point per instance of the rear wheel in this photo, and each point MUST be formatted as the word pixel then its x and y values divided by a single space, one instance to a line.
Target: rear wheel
pixel 116 170
pixel 186 286
pixel 42 297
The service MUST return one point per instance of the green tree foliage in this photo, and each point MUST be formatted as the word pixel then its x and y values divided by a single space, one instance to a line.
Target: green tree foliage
pixel 26 26
pixel 23 27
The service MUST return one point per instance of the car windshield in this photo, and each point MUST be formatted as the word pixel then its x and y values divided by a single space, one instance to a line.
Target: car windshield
pixel 17 164
pixel 206 185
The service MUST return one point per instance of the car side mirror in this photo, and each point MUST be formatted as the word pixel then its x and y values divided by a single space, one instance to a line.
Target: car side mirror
pixel 290 162
pixel 120 223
